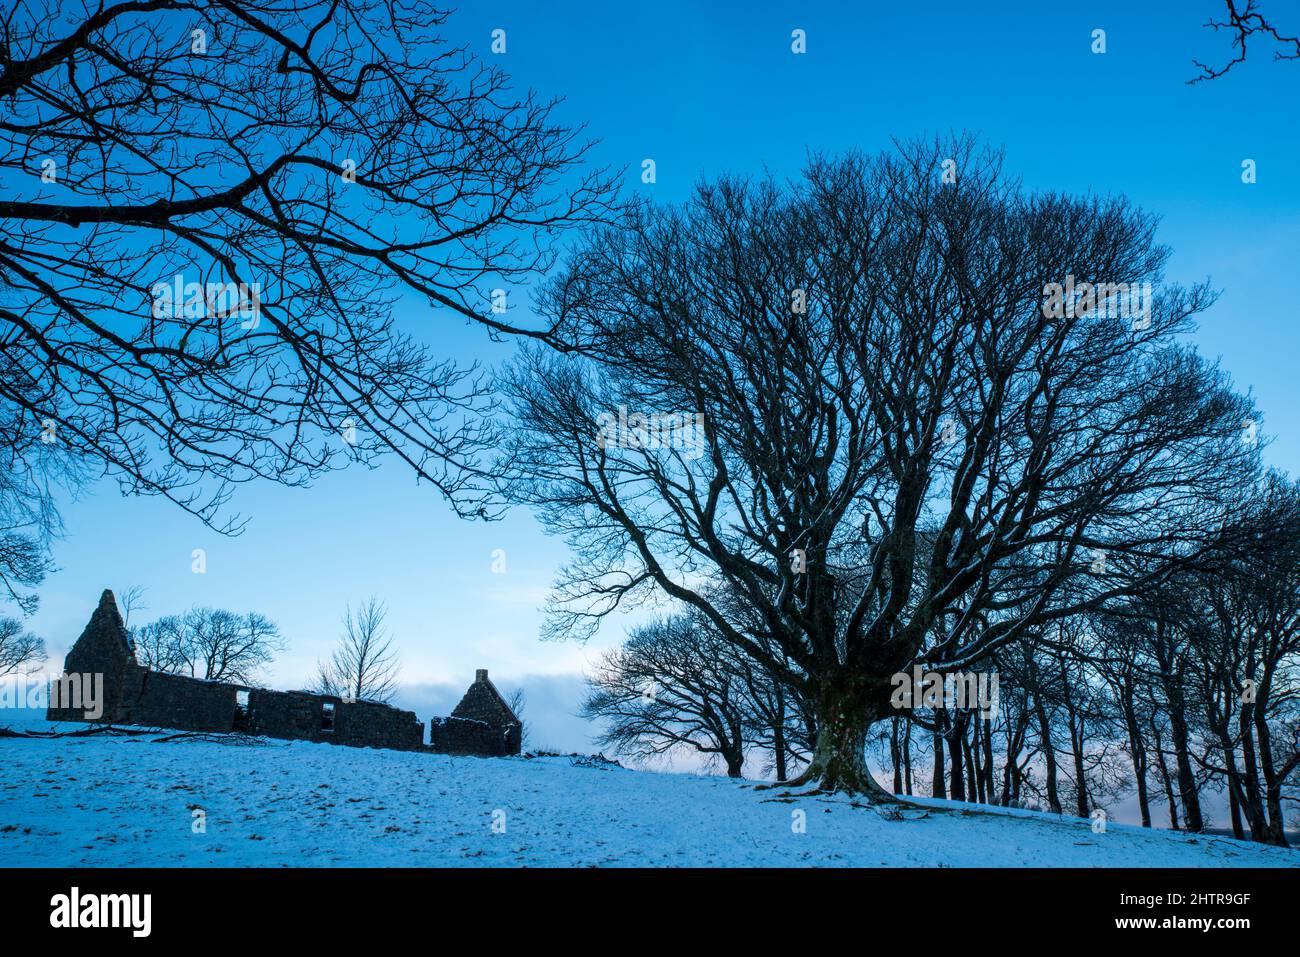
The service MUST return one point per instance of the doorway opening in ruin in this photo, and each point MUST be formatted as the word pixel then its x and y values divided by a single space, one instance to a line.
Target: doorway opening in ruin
pixel 327 716
pixel 241 711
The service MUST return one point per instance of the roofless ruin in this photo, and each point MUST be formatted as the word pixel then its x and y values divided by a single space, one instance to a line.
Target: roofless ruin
pixel 482 724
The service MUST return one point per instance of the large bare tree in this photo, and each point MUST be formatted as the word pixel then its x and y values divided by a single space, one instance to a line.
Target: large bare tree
pixel 929 424
pixel 210 212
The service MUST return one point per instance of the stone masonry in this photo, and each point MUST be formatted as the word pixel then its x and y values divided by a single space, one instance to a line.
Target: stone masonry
pixel 135 695
pixel 482 723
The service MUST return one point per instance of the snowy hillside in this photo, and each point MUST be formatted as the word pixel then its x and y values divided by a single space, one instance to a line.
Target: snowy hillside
pixel 116 801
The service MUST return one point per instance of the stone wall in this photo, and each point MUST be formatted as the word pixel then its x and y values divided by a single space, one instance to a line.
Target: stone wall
pixel 369 724
pixel 135 695
pixel 284 714
pixel 481 724
pixel 303 716
pixel 156 699
pixel 454 735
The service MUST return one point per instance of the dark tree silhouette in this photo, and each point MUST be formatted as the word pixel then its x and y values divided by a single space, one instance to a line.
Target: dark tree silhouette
pixel 670 686
pixel 30 471
pixel 209 212
pixel 1242 625
pixel 209 643
pixel 364 667
pixel 1244 21
pixel 902 435
pixel 20 650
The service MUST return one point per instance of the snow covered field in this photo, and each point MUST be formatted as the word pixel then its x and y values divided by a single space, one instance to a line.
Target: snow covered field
pixel 115 801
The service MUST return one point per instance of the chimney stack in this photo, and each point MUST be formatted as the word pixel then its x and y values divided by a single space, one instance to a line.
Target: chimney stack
pixel 480 674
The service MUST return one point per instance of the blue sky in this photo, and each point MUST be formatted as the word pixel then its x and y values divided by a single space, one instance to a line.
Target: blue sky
pixel 702 91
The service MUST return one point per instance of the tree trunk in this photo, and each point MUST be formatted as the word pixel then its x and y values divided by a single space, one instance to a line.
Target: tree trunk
pixel 1138 755
pixel 990 791
pixel 1080 772
pixel 1074 725
pixel 839 758
pixel 1187 790
pixel 1164 774
pixel 1275 832
pixel 1251 796
pixel 1011 769
pixel 1234 810
pixel 972 791
pixel 1006 779
pixel 956 736
pixel 937 786
pixel 778 745
pixel 1049 756
pixel 907 758
pixel 896 756
pixel 1239 804
pixel 1186 778
pixel 735 761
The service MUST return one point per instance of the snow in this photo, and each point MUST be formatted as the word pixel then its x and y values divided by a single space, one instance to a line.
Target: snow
pixel 109 801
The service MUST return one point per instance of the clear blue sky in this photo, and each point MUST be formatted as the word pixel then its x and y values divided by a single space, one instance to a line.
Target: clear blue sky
pixel 702 91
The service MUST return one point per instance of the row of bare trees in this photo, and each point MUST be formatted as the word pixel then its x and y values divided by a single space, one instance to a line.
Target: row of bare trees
pixel 1188 691
pixel 908 458
pixel 209 643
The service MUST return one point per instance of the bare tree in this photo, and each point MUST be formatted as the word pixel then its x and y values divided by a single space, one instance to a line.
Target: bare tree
pixel 365 666
pixel 668 687
pixel 131 599
pixel 209 643
pixel 209 210
pixel 777 719
pixel 21 652
pixel 1241 623
pixel 1122 663
pixel 517 701
pixel 159 644
pixel 29 472
pixel 24 563
pixel 901 423
pixel 1245 23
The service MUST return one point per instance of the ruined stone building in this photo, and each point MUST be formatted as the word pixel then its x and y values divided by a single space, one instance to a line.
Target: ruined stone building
pixel 481 724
